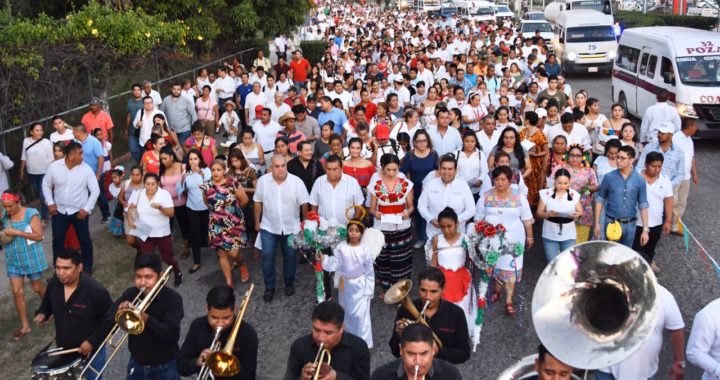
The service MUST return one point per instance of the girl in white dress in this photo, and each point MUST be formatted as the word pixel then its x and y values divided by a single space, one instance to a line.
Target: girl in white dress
pixel 449 254
pixel 353 262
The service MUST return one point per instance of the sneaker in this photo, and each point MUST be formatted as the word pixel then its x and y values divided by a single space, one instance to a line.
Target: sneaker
pixel 104 220
pixel 289 290
pixel 269 294
pixel 178 280
pixel 655 267
pixel 418 244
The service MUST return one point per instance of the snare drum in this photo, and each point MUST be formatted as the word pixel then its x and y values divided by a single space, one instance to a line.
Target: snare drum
pixel 60 367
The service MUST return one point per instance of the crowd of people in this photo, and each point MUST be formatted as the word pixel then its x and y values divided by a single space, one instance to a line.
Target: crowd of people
pixel 412 124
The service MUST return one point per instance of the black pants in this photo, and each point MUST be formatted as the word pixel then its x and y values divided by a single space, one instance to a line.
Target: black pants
pixel 198 232
pixel 648 250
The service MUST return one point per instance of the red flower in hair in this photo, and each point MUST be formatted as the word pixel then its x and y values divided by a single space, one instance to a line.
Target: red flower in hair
pixel 312 215
pixel 490 231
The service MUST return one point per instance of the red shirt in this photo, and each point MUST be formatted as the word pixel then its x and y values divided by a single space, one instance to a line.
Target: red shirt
pixel 102 120
pixel 370 110
pixel 300 69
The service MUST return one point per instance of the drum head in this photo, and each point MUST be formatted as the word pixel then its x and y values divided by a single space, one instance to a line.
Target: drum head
pixel 44 363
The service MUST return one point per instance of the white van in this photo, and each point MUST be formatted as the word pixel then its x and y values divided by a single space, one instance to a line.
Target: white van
pixel 683 61
pixel 584 41
pixel 477 11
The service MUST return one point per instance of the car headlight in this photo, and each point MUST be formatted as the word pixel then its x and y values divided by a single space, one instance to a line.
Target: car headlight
pixel 612 54
pixel 571 56
pixel 686 110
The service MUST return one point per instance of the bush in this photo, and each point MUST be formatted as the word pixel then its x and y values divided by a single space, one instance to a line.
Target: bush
pixel 313 51
pixel 628 19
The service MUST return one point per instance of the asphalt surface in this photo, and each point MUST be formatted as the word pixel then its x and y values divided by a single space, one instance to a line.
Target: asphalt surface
pixel 504 340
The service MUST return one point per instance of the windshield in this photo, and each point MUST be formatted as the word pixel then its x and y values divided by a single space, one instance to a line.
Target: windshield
pixel 591 34
pixel 700 71
pixel 596 5
pixel 535 16
pixel 532 27
pixel 503 9
pixel 483 12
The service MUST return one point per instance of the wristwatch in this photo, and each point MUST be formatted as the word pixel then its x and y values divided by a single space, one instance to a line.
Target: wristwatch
pixel 646 229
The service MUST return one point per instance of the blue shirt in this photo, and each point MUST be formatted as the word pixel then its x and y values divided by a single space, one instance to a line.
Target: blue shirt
pixel 243 90
pixel 92 151
pixel 193 181
pixel 337 116
pixel 465 84
pixel 552 69
pixel 673 162
pixel 622 197
pixel 418 168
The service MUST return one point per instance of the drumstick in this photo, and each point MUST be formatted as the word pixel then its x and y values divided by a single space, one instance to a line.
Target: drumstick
pixel 63 352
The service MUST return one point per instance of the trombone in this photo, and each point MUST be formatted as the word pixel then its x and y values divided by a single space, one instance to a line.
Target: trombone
pixel 322 354
pixel 400 293
pixel 129 321
pixel 223 362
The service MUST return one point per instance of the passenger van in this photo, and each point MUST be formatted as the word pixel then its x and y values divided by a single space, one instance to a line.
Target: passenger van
pixel 584 41
pixel 683 61
pixel 477 11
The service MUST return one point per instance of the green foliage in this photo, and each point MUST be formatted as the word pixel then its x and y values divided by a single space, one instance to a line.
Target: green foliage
pixel 313 51
pixel 630 19
pixel 256 44
pixel 126 33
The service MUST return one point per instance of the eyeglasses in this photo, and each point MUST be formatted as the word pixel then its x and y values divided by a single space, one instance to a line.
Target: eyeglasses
pixel 420 141
pixel 620 158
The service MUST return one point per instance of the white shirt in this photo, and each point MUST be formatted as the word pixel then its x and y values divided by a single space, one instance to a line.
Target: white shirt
pixel 5 165
pixel 564 207
pixel 488 143
pixel 643 363
pixel 427 77
pixel 226 86
pixel 703 347
pixel 67 136
pixel 153 217
pixel 253 100
pixel 276 111
pixel 403 128
pixel 447 143
pixel 265 134
pixel 578 135
pixel 280 203
pixel 475 113
pixel 472 168
pixel 345 97
pixel 333 201
pixel 403 95
pixel 436 195
pixel 230 124
pixel 38 157
pixel 656 193
pixel 157 100
pixel 269 92
pixel 688 148
pixel 70 189
pixel 655 116
pixel 147 123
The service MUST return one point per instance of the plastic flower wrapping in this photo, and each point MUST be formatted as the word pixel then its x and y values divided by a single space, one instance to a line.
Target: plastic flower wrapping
pixel 317 234
pixel 485 243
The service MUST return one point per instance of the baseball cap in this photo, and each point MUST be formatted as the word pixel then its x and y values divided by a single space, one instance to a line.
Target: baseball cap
pixel 541 112
pixel 258 109
pixel 94 100
pixel 666 128
pixel 311 97
pixel 382 132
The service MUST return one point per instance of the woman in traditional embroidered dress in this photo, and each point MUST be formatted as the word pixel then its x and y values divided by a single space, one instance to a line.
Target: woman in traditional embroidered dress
pixel 392 205
pixel 353 261
pixel 507 206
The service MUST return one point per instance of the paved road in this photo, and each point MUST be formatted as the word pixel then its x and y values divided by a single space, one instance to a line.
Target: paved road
pixel 504 340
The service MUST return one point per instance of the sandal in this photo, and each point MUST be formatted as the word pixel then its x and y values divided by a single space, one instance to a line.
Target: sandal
pixel 494 297
pixel 19 333
pixel 194 268
pixel 510 309
pixel 244 274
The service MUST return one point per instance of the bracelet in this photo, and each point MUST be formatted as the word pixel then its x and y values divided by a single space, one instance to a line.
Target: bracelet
pixel 529 238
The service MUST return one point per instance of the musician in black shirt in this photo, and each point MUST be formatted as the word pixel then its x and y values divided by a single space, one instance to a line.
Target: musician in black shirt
pixel 446 319
pixel 153 353
pixel 79 305
pixel 350 354
pixel 220 306
pixel 417 359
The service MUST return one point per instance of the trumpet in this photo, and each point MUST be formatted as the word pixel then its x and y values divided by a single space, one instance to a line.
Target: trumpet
pixel 400 293
pixel 322 354
pixel 223 362
pixel 214 346
pixel 130 321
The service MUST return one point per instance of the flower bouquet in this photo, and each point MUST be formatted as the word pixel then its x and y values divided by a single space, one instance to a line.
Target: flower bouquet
pixel 487 243
pixel 316 234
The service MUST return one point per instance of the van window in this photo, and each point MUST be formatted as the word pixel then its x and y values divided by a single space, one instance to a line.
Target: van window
pixel 643 63
pixel 650 73
pixel 667 72
pixel 591 34
pixel 627 58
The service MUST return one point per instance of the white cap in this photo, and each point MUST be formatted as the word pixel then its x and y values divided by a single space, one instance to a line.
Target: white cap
pixel 666 128
pixel 541 112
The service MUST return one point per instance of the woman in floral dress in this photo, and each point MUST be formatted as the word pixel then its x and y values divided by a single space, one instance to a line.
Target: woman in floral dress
pixel 538 158
pixel 392 197
pixel 225 198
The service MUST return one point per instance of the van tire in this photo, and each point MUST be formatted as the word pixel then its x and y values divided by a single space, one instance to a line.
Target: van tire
pixel 622 101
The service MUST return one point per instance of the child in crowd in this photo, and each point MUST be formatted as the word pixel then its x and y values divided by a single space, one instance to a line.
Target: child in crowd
pixel 116 184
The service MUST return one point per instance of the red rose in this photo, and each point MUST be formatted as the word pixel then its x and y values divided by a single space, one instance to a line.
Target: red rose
pixel 482 303
pixel 318 266
pixel 480 226
pixel 501 228
pixel 489 231
pixel 313 215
